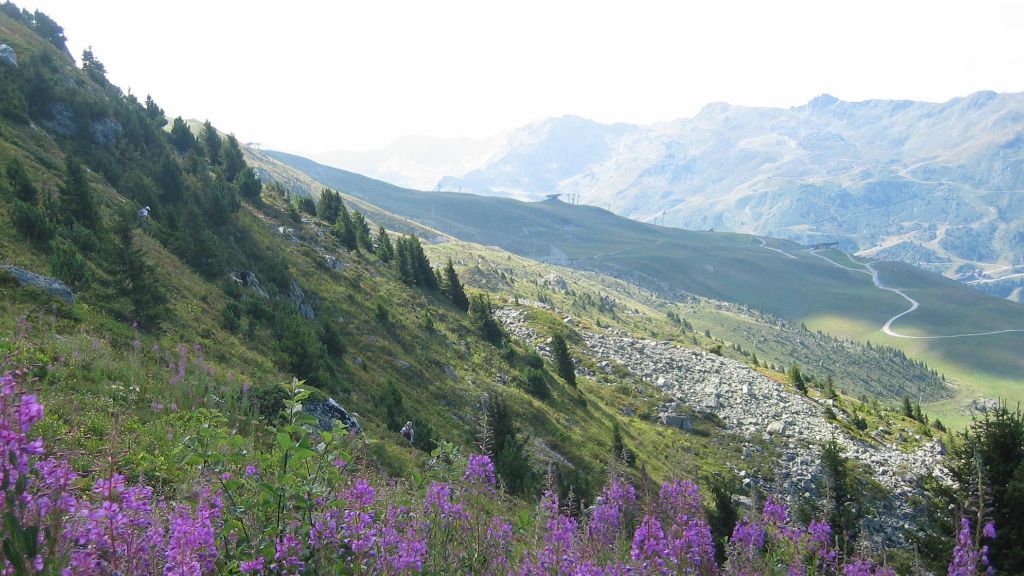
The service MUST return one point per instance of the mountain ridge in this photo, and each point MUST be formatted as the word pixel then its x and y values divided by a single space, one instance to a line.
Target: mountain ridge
pixel 929 183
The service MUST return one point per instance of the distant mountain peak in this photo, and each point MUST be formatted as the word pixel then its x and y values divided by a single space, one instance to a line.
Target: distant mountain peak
pixel 823 101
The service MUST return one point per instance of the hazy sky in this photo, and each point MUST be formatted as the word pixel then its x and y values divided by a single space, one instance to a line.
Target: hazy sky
pixel 315 76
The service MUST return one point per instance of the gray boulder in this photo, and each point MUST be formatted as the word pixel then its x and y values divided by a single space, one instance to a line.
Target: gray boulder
pixel 52 286
pixel 298 297
pixel 327 412
pixel 8 56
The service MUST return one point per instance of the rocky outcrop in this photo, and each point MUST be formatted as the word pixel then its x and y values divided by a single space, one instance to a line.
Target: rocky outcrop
pixel 8 56
pixel 248 279
pixel 327 412
pixel 298 298
pixel 52 286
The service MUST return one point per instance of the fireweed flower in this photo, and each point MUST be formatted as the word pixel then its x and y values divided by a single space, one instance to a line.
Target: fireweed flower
pixel 967 558
pixel 479 470
pixel 439 501
pixel 609 513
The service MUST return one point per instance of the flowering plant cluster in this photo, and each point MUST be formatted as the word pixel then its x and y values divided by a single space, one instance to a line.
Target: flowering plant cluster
pixel 305 506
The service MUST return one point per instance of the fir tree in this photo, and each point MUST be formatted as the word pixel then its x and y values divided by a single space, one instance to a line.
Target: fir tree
pixel 329 206
pixel 211 143
pixel 77 198
pixel 181 136
pixel 234 162
pixel 797 379
pixel 155 113
pixel 249 185
pixel 453 287
pixel 307 205
pixel 481 312
pixel 908 408
pixel 563 360
pixel 385 251
pixel 137 280
pixel 840 507
pixel 364 238
pixel 345 230
pixel 507 446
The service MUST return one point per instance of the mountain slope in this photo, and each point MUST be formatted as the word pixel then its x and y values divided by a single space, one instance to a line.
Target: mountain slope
pixel 780 277
pixel 934 184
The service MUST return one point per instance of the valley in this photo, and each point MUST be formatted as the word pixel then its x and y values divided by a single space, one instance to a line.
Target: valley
pixel 221 359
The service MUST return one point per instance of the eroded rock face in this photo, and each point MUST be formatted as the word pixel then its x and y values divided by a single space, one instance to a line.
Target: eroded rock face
pixel 51 285
pixel 8 56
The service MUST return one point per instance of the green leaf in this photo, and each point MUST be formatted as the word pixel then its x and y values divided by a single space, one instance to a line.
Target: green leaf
pixel 301 454
pixel 284 441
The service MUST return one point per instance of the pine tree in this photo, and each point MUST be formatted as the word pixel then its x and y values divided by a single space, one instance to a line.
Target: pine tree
pixel 155 113
pixel 364 238
pixel 249 185
pixel 840 507
pixel 453 287
pixel 170 179
pixel 307 205
pixel 797 379
pixel 329 206
pixel 93 67
pixel 423 274
pixel 137 279
pixel 385 251
pixel 507 446
pixel 563 360
pixel 234 161
pixel 481 312
pixel 908 408
pixel 211 144
pixel 77 198
pixel 181 136
pixel 344 229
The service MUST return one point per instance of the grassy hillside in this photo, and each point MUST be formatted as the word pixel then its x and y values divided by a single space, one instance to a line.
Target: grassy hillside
pixel 220 295
pixel 731 267
pixel 739 332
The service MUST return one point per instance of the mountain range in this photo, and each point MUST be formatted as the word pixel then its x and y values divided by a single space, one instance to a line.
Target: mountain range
pixel 937 185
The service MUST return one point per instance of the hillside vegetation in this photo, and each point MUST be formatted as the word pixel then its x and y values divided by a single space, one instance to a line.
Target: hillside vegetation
pixel 206 370
pixel 775 276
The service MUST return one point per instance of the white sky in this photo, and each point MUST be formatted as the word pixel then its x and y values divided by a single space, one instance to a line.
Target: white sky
pixel 310 76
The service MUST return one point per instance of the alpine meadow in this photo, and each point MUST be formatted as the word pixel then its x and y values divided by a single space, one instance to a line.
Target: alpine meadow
pixel 759 340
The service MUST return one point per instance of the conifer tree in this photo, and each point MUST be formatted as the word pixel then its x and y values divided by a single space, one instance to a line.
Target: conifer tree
pixel 908 408
pixel 453 287
pixel 364 238
pixel 137 279
pixel 385 251
pixel 345 229
pixel 249 185
pixel 481 312
pixel 425 277
pixel 155 113
pixel 211 144
pixel 329 206
pixel 181 136
pixel 797 379
pixel 563 360
pixel 234 162
pixel 77 197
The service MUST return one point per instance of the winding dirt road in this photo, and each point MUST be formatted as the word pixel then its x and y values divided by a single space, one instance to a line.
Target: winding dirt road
pixel 914 304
